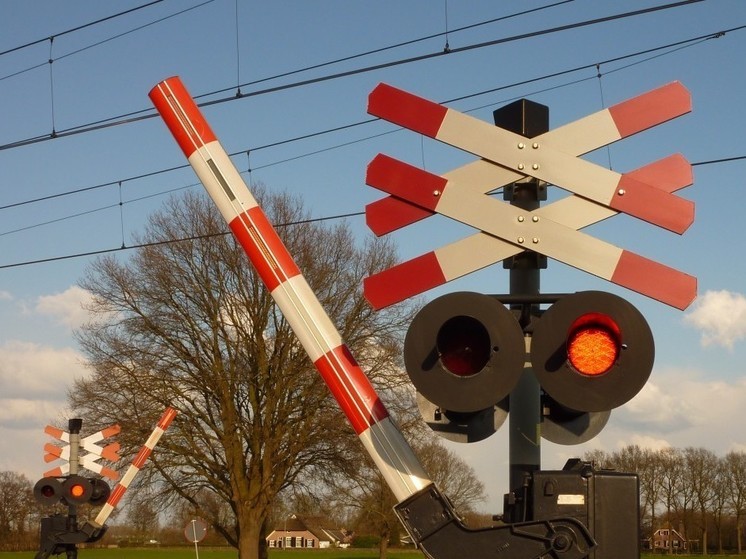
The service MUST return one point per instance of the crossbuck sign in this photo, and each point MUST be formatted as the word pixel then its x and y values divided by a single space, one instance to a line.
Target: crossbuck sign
pixel 552 230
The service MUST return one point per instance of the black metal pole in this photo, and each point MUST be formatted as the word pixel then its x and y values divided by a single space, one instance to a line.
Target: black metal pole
pixel 528 119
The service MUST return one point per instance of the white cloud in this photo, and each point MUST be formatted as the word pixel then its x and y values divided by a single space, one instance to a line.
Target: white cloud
pixel 644 441
pixel 67 308
pixel 5 296
pixel 656 407
pixel 33 371
pixel 720 316
pixel 26 413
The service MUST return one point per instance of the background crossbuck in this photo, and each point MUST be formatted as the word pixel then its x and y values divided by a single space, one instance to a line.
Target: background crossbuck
pixel 551 230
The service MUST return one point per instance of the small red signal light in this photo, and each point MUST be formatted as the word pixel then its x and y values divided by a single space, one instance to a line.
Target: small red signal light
pixel 593 344
pixel 463 344
pixel 77 490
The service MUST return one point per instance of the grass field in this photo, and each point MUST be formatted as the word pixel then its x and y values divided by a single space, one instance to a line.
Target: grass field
pixel 221 553
pixel 229 553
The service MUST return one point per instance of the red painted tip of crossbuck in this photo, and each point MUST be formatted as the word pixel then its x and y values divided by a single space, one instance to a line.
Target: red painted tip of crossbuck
pixel 655 280
pixel 403 281
pixel 655 107
pixel 407 110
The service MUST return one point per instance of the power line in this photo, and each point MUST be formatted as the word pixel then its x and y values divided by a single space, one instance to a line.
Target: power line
pixel 165 242
pixel 78 28
pixel 288 224
pixel 676 46
pixel 51 60
pixel 144 114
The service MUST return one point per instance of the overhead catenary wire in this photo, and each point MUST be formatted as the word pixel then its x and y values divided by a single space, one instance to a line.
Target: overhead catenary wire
pixel 678 45
pixel 87 254
pixel 79 27
pixel 145 114
pixel 655 52
pixel 79 214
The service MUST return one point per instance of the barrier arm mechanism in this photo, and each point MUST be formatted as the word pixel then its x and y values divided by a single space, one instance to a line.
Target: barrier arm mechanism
pixel 427 515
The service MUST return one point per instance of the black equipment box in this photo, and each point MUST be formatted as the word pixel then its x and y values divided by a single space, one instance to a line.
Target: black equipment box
pixel 605 501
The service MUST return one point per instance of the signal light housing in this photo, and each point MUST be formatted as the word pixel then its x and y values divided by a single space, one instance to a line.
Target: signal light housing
pixel 48 491
pixel 464 352
pixel 463 427
pixel 592 351
pixel 100 492
pixel 77 490
pixel 72 490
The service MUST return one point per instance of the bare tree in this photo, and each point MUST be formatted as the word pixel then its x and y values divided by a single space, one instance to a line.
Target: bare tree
pixel 17 508
pixel 735 466
pixel 454 477
pixel 189 324
pixel 701 467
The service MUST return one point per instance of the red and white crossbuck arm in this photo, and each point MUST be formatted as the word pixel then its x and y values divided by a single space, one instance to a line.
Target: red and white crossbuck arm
pixel 522 229
pixel 575 138
pixel 319 337
pixel 538 159
pixel 480 250
pixel 137 464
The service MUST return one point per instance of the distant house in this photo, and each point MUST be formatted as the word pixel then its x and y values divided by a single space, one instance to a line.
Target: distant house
pixel 299 533
pixel 668 539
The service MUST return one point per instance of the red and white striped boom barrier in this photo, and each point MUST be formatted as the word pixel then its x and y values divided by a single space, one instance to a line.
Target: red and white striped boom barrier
pixel 279 272
pixel 427 515
pixel 137 464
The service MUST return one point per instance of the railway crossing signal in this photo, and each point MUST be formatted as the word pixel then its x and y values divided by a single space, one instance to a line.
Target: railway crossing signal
pixel 552 230
pixel 62 533
pixel 575 403
pixel 73 490
pixel 469 356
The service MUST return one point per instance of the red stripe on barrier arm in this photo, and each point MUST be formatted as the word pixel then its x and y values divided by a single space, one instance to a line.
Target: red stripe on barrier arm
pixel 167 417
pixel 650 109
pixel 406 181
pixel 406 109
pixel 653 205
pixel 141 457
pixel 116 495
pixel 404 280
pixel 655 280
pixel 264 247
pixel 389 214
pixel 181 115
pixel 351 388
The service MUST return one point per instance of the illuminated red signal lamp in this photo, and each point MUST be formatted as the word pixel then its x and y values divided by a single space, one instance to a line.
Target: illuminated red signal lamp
pixel 593 344
pixel 592 351
pixel 77 490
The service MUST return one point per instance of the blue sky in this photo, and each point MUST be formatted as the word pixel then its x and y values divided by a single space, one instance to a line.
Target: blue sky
pixel 104 71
